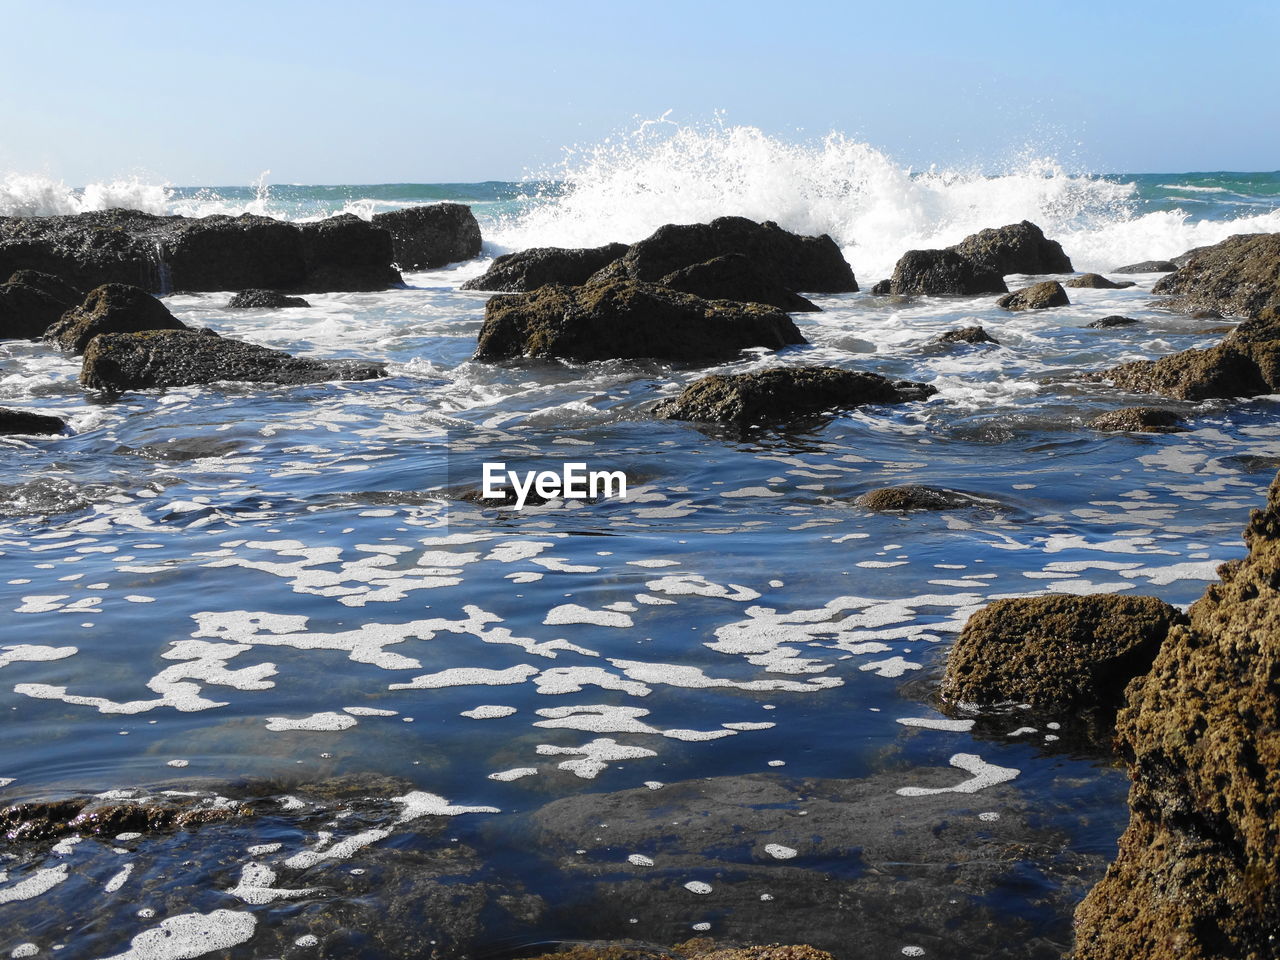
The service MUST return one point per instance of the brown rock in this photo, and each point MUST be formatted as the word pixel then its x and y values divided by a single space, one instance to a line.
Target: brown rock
pixel 940 272
pixel 1139 420
pixel 1239 277
pixel 912 497
pixel 111 308
pixel 1038 296
pixel 735 276
pixel 967 335
pixel 1097 281
pixel 1015 248
pixel 1228 370
pixel 530 269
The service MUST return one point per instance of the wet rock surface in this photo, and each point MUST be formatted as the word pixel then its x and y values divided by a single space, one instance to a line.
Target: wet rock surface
pixel 530 269
pixel 1015 248
pixel 623 320
pixel 1096 281
pixel 1038 296
pixel 111 308
pixel 432 235
pixel 26 311
pixel 1234 368
pixel 1239 277
pixel 940 272
pixel 1139 420
pixel 1057 652
pixel 1115 320
pixel 736 276
pixel 264 300
pixel 974 335
pixel 914 497
pixel 1196 873
pixel 1147 266
pixel 178 358
pixel 53 285
pixel 778 394
pixel 24 421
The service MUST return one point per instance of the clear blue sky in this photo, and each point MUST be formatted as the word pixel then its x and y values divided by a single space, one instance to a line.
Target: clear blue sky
pixel 320 92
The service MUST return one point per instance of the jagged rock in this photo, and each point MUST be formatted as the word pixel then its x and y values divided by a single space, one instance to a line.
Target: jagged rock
pixel 783 392
pixel 431 236
pixel 160 253
pixel 941 272
pixel 1139 420
pixel 1038 296
pixel 1058 652
pixel 1195 876
pixel 26 312
pixel 179 358
pixel 1147 266
pixel 264 300
pixel 1115 320
pixel 913 497
pixel 735 276
pixel 967 335
pixel 626 320
pixel 1234 368
pixel 1239 276
pixel 1097 281
pixel 111 308
pixel 24 421
pixel 1182 259
pixel 530 269
pixel 55 286
pixel 1015 248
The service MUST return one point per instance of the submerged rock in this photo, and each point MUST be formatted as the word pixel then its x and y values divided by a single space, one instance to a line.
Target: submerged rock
pixel 530 269
pixel 1097 281
pixel 1057 652
pixel 1038 296
pixel 701 948
pixel 914 497
pixel 941 272
pixel 1015 248
pixel 1195 875
pixel 967 335
pixel 777 394
pixel 1115 320
pixel 1139 420
pixel 179 358
pixel 431 236
pixel 1147 266
pixel 1239 276
pixel 111 308
pixel 24 421
pixel 735 276
pixel 626 320
pixel 90 816
pixel 264 300
pixel 26 312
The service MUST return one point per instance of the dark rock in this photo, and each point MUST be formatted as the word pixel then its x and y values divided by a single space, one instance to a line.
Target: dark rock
pixel 626 320
pixel 1139 420
pixel 967 335
pixel 111 308
pixel 912 497
pixel 1038 296
pixel 882 288
pixel 264 300
pixel 700 948
pixel 161 253
pixel 1182 259
pixel 81 816
pixel 1231 369
pixel 783 392
pixel 1195 875
pixel 1239 277
pixel 942 272
pixel 813 264
pixel 1115 320
pixel 1015 248
pixel 26 312
pixel 1147 266
pixel 24 421
pixel 55 286
pixel 1097 281
pixel 735 276
pixel 179 358
pixel 530 269
pixel 1057 652
pixel 431 236
pixel 1207 315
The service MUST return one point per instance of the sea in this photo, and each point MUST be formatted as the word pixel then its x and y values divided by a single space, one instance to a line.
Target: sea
pixel 420 726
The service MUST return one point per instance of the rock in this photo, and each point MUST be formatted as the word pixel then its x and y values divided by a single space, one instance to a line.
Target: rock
pixel 111 308
pixel 1038 296
pixel 161 253
pixel 431 236
pixel 967 335
pixel 1097 281
pixel 26 312
pixel 1115 320
pixel 813 264
pixel 1015 248
pixel 941 272
pixel 179 358
pixel 530 269
pixel 52 819
pixel 1195 876
pixel 55 286
pixel 626 320
pixel 1239 276
pixel 701 948
pixel 1182 259
pixel 1139 420
pixel 24 421
pixel 264 300
pixel 882 288
pixel 748 398
pixel 1147 266
pixel 1231 369
pixel 735 276
pixel 912 497
pixel 1058 652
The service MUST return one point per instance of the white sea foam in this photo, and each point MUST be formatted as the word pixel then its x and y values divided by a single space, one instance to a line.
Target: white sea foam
pixel 191 935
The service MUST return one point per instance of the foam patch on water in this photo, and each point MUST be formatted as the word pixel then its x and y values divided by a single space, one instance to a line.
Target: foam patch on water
pixel 191 935
pixel 983 775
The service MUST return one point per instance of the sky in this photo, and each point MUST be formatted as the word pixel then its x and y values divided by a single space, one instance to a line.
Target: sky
pixel 198 93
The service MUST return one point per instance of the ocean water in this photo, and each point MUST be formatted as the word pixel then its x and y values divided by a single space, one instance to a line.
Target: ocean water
pixel 597 719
